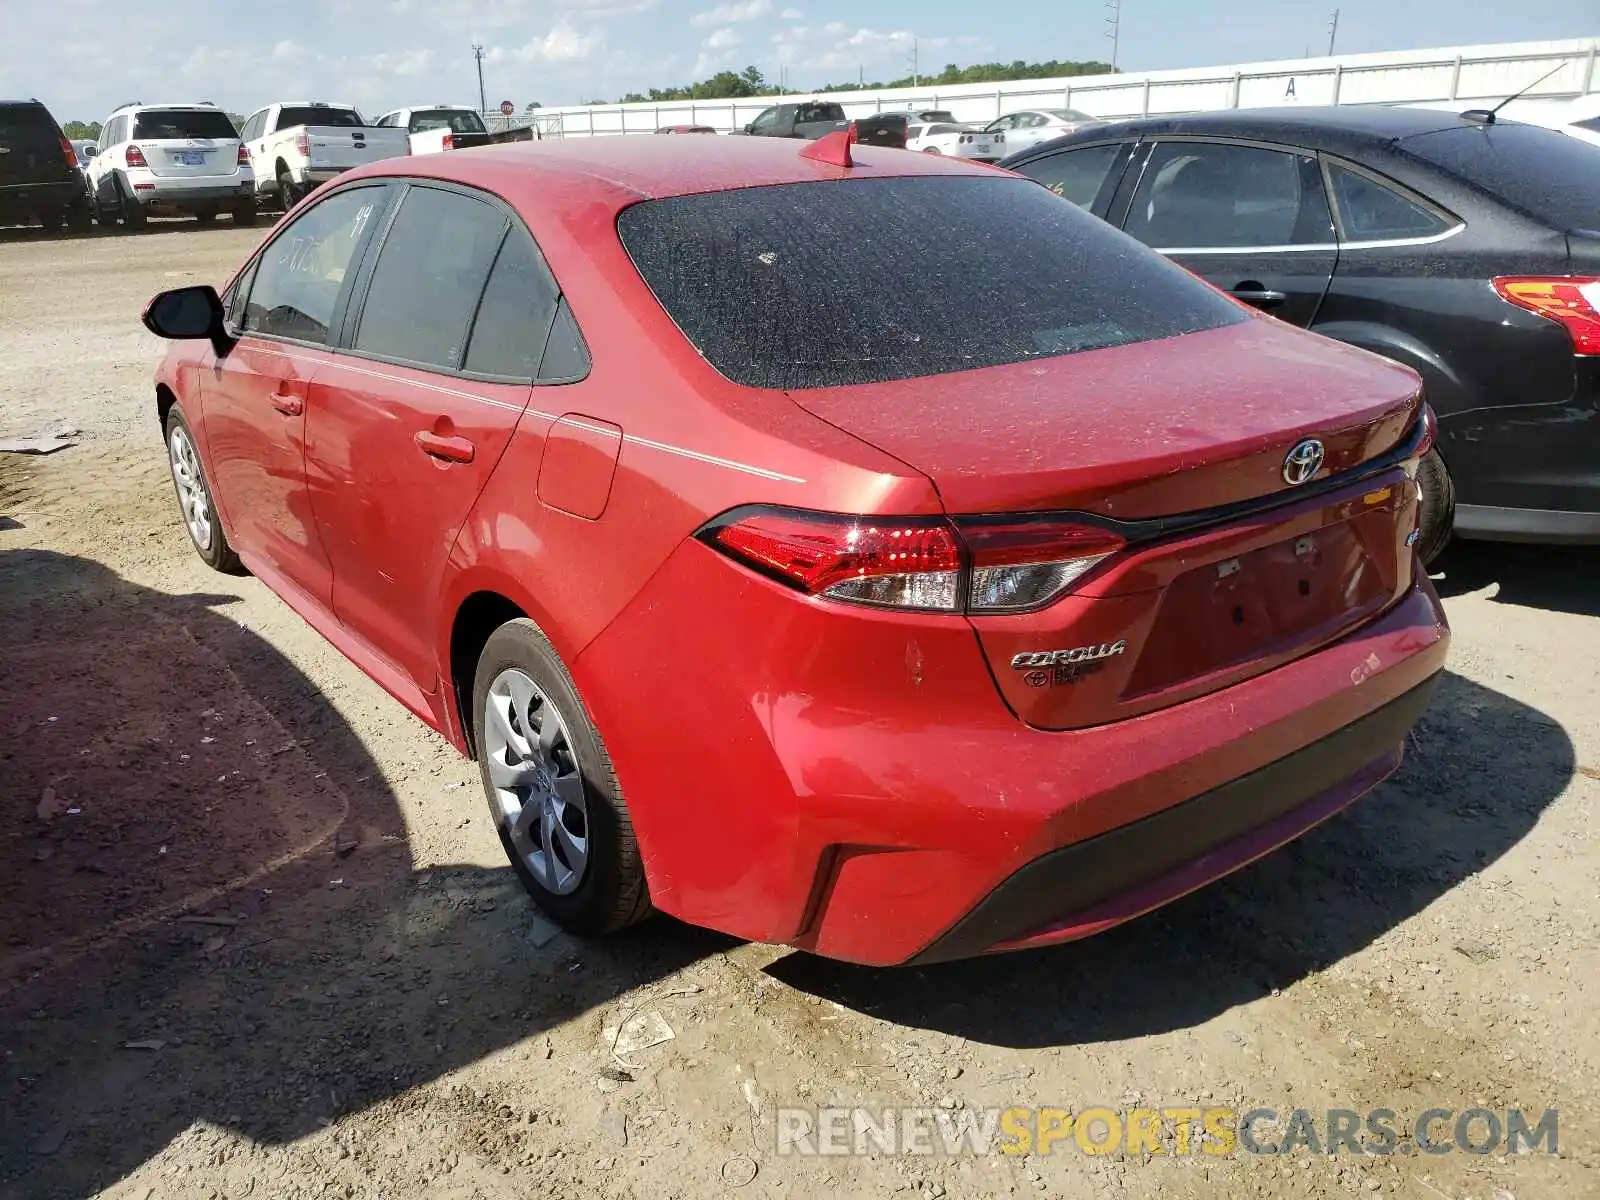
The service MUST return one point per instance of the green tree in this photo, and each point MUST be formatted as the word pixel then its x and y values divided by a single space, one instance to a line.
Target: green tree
pixel 82 131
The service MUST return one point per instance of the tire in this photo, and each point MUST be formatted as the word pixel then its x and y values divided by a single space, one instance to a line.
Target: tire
pixel 131 211
pixel 206 216
pixel 51 220
pixel 288 193
pixel 244 212
pixel 607 890
pixel 80 216
pixel 192 487
pixel 1438 507
pixel 933 150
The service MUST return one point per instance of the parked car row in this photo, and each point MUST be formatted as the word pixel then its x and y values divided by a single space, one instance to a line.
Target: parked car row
pixel 1463 246
pixel 188 159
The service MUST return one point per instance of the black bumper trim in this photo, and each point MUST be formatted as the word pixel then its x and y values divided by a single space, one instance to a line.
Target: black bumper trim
pixel 1066 881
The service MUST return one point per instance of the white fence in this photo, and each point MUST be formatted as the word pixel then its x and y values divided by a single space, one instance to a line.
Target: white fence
pixel 1458 74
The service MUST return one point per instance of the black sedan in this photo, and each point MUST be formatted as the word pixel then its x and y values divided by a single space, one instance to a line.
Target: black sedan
pixel 1464 246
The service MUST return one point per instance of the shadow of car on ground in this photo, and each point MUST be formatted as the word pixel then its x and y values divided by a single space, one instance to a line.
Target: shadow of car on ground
pixel 1557 578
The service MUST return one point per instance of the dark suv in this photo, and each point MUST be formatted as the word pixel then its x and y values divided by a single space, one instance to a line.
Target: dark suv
pixel 1465 247
pixel 39 176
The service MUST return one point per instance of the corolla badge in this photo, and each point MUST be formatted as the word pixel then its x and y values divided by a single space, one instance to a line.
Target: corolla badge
pixel 1303 462
pixel 1061 658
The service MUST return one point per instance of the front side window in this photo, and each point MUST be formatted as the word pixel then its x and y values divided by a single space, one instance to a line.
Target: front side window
pixel 430 274
pixel 1076 175
pixel 302 272
pixel 1212 194
pixel 767 120
pixel 1373 212
pixel 770 284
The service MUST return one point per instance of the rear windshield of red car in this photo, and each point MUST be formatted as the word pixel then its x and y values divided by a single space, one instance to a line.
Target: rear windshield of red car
pixel 827 284
pixel 1551 176
pixel 181 123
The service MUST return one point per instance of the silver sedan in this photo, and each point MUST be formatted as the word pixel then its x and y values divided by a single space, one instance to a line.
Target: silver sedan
pixel 1032 126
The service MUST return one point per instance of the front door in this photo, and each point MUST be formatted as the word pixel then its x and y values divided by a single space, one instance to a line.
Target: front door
pixel 255 401
pixel 1252 220
pixel 408 424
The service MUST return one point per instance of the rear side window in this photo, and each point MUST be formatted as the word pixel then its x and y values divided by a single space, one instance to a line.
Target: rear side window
pixel 807 113
pixel 773 284
pixel 1592 124
pixel 518 306
pixel 1549 175
pixel 28 125
pixel 1213 194
pixel 157 123
pixel 428 278
pixel 340 118
pixel 1075 175
pixel 1372 212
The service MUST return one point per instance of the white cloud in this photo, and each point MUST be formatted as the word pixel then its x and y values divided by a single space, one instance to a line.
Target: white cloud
pixel 722 39
pixel 288 49
pixel 791 14
pixel 403 64
pixel 836 28
pixel 564 43
pixel 736 10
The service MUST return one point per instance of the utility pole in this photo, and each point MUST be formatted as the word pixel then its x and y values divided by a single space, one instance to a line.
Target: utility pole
pixel 1333 31
pixel 483 98
pixel 1114 27
pixel 914 63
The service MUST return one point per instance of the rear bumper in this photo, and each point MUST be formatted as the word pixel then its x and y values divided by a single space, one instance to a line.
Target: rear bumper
pixel 1102 881
pixel 1541 525
pixel 31 197
pixel 212 189
pixel 850 782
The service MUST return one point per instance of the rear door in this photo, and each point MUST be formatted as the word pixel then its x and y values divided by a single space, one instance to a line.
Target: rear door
pixel 410 419
pixel 1253 220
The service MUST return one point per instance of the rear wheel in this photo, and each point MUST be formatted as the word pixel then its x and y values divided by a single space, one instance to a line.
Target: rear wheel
pixel 80 216
pixel 552 793
pixel 932 150
pixel 1438 507
pixel 131 211
pixel 244 212
pixel 288 193
pixel 205 215
pixel 194 498
pixel 51 220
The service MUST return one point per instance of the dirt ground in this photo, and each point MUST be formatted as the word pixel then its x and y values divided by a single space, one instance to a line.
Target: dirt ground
pixel 257 938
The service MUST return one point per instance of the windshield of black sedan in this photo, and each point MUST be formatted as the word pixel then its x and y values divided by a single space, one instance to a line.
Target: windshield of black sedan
pixel 824 284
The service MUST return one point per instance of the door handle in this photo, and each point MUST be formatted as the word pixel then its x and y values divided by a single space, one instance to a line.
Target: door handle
pixel 289 406
pixel 1254 293
pixel 451 449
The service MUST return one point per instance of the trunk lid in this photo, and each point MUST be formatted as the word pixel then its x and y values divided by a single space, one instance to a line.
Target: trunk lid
pixel 1180 446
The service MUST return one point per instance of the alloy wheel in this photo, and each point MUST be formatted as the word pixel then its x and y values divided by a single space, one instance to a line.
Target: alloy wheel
pixel 192 496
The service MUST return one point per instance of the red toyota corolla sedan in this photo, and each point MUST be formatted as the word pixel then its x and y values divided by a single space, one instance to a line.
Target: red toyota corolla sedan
pixel 888 559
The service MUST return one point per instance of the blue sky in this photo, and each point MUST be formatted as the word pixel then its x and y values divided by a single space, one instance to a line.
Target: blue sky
pixel 91 55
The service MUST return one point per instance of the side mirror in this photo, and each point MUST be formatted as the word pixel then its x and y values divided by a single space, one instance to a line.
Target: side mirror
pixel 91 150
pixel 750 128
pixel 188 314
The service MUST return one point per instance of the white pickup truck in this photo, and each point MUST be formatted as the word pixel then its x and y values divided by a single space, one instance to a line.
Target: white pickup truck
pixel 295 145
pixel 437 127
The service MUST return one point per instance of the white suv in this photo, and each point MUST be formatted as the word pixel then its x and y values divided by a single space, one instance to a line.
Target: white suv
pixel 160 159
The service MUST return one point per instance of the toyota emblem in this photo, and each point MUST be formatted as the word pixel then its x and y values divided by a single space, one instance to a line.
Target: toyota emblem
pixel 1303 462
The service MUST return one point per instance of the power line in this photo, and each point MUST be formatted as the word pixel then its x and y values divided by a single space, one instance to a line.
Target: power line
pixel 483 97
pixel 1114 27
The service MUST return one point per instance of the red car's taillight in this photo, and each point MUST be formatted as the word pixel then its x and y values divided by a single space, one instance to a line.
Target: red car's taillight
pixel 1430 431
pixel 134 157
pixel 1573 300
pixel 1019 565
pixel 975 565
pixel 244 157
